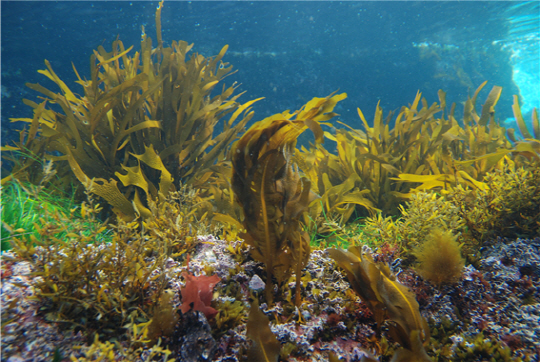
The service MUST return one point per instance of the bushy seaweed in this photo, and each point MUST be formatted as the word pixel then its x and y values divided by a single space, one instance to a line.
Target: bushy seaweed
pixel 91 285
pixel 143 122
pixel 136 350
pixel 375 169
pixel 439 258
pixel 423 212
pixel 507 204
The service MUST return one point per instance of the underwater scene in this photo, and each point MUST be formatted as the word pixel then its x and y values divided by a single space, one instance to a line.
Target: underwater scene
pixel 270 181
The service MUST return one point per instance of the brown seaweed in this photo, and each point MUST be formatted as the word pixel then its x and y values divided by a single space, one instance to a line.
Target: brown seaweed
pixel 271 191
pixel 386 298
pixel 265 346
pixel 378 167
pixel 143 121
pixel 530 145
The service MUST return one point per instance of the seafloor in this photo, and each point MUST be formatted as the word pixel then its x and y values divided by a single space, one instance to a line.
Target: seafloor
pixel 485 311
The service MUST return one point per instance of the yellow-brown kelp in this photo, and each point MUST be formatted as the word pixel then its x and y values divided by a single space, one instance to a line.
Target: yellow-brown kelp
pixel 386 298
pixel 265 346
pixel 145 120
pixel 271 192
pixel 378 167
pixel 530 145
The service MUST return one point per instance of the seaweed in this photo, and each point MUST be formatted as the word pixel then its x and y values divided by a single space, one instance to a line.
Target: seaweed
pixel 23 205
pixel 109 351
pixel 484 347
pixel 527 135
pixel 507 205
pixel 376 169
pixel 142 137
pixel 386 298
pixel 439 258
pixel 271 192
pixel 421 213
pixel 143 122
pixel 529 146
pixel 97 286
pixel 164 318
pixel 265 346
pixel 467 152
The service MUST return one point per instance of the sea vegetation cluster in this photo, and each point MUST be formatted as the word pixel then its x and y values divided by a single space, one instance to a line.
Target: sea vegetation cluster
pixel 187 238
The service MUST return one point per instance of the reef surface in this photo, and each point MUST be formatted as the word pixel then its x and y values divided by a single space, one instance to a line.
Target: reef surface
pixel 494 303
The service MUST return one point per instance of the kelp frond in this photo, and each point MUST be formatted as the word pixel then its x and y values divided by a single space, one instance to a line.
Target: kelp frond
pixel 529 146
pixel 265 346
pixel 144 121
pixel 375 169
pixel 386 298
pixel 271 191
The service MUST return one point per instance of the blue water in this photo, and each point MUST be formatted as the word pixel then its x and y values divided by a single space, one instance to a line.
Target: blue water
pixel 289 52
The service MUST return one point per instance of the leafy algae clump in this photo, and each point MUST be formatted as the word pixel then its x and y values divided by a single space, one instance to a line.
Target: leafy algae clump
pixel 143 122
pixel 506 205
pixel 509 205
pixel 376 168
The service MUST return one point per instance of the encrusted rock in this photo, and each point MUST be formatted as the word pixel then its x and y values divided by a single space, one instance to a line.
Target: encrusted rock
pixel 194 339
